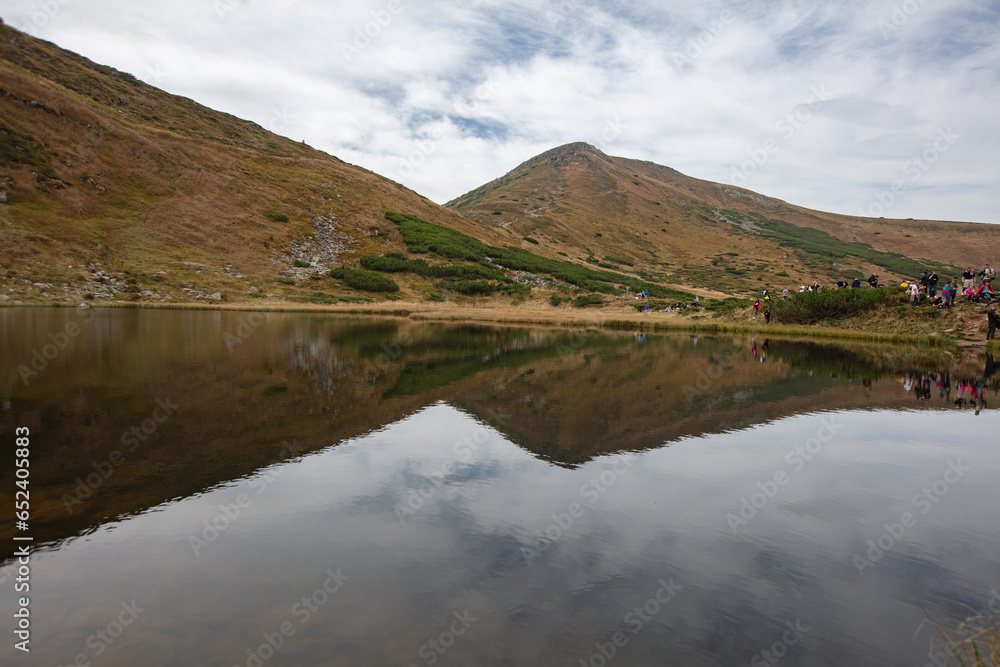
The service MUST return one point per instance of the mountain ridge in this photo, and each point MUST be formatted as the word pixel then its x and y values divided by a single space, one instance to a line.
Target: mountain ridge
pixel 111 189
pixel 579 202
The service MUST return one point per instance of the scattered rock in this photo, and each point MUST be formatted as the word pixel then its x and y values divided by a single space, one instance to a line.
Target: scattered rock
pixel 4 297
pixel 321 250
pixel 215 297
pixel 83 305
pixel 3 196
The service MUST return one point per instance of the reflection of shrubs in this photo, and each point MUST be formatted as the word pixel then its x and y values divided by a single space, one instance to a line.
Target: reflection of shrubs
pixel 365 280
pixel 588 300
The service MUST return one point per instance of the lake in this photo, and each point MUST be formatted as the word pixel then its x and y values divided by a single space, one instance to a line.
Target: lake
pixel 225 488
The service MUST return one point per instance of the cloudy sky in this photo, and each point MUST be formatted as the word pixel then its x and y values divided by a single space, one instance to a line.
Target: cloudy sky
pixel 870 107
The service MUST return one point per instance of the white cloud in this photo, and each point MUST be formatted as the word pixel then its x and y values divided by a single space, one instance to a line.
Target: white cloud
pixel 444 98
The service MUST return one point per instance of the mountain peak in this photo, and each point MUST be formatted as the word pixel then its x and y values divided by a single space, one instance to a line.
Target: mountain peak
pixel 576 151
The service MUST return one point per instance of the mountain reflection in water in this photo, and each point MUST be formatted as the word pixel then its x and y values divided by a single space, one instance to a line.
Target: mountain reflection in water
pixel 545 483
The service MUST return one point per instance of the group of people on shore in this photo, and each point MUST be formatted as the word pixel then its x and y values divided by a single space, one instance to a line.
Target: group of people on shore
pixel 975 287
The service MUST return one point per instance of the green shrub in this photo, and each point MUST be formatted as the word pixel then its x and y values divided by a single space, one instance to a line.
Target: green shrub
pixel 397 263
pixel 558 299
pixel 315 297
pixel 811 307
pixel 277 217
pixel 818 242
pixel 588 300
pixel 469 287
pixel 365 280
pixel 516 290
pixel 618 260
pixel 315 276
pixel 530 240
pixel 421 236
pixel 299 264
pixel 386 263
pixel 726 305
pixel 286 281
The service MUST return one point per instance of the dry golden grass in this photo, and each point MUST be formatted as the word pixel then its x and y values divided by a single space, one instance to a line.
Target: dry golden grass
pixel 577 200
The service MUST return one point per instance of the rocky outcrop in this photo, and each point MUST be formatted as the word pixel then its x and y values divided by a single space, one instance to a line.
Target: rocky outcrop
pixel 321 250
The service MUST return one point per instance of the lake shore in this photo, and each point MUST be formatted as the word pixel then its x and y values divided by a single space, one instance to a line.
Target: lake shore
pixel 533 314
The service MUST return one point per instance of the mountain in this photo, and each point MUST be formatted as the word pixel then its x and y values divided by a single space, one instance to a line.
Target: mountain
pixel 576 200
pixel 114 188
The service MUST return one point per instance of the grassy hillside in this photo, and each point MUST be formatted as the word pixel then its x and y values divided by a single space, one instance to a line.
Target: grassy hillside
pixel 114 191
pixel 112 188
pixel 576 201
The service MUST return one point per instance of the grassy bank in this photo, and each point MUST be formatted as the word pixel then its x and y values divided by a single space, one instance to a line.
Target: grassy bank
pixel 532 315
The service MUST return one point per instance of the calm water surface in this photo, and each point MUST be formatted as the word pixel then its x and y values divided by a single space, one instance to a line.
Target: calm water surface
pixel 223 489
